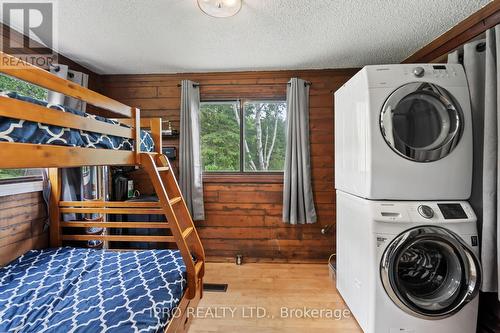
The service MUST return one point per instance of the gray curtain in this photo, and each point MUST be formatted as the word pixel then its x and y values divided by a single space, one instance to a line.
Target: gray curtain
pixel 298 203
pixel 190 173
pixel 46 196
pixel 480 60
pixel 71 178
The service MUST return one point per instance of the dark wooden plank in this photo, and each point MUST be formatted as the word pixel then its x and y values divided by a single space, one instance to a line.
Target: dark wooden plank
pixel 22 219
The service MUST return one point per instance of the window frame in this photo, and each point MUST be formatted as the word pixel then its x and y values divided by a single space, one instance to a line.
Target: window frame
pixel 20 185
pixel 242 175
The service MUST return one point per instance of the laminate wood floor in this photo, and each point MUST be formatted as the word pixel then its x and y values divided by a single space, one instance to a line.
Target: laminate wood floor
pixel 272 298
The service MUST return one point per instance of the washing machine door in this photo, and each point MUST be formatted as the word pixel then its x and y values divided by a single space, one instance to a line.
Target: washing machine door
pixel 430 272
pixel 421 121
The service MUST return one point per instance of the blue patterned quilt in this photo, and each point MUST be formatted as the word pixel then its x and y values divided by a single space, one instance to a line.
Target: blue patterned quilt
pixel 15 130
pixel 84 290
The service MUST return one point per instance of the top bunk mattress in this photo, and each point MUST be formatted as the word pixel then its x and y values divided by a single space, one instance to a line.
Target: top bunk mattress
pixel 22 131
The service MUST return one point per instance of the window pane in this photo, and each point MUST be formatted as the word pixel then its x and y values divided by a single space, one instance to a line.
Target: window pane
pixel 20 173
pixel 220 136
pixel 8 83
pixel 264 135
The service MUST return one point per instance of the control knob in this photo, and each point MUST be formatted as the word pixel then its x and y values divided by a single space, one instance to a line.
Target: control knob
pixel 418 71
pixel 425 211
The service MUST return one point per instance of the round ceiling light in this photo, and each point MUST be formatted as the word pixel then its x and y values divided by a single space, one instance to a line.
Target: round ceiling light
pixel 220 8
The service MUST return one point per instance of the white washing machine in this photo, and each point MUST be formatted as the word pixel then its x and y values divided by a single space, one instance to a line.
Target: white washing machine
pixel 407 266
pixel 404 132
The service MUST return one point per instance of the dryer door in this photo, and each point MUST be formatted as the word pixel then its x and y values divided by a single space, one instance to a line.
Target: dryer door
pixel 430 272
pixel 421 122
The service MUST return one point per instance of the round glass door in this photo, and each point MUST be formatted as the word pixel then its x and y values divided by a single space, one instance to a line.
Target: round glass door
pixel 421 122
pixel 430 272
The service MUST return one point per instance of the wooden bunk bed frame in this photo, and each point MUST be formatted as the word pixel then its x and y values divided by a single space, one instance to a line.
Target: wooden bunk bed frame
pixel 171 203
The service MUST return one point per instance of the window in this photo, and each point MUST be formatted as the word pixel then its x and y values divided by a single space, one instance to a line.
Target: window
pixel 255 145
pixel 220 136
pixel 8 83
pixel 264 135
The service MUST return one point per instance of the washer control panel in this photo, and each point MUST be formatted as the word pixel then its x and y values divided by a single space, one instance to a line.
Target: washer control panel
pixel 424 211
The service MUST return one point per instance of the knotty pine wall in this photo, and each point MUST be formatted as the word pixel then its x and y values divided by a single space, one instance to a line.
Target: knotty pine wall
pixel 22 218
pixel 243 215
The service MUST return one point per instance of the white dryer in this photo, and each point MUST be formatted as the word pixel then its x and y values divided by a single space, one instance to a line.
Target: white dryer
pixel 404 132
pixel 408 266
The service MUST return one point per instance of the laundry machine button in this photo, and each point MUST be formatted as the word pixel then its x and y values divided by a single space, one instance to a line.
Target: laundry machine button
pixel 425 211
pixel 418 71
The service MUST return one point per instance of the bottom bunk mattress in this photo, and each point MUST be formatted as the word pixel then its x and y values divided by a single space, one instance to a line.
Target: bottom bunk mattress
pixel 22 131
pixel 86 290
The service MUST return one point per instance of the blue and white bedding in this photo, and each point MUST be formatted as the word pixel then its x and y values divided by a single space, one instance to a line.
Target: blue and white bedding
pixel 86 290
pixel 16 130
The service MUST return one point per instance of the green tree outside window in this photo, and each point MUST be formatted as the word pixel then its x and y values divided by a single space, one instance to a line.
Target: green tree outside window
pixel 256 145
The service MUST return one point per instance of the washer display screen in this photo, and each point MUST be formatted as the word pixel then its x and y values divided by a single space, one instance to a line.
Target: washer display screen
pixel 452 211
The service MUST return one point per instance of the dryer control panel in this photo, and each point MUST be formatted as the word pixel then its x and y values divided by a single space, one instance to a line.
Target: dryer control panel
pixel 446 75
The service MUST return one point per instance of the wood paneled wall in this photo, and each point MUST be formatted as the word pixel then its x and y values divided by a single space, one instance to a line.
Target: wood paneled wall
pixel 22 219
pixel 242 216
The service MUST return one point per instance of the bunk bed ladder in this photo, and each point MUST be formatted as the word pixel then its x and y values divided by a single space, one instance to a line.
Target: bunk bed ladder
pixel 179 219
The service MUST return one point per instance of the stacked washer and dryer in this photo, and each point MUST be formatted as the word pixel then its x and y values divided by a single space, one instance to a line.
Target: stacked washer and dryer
pixel 407 242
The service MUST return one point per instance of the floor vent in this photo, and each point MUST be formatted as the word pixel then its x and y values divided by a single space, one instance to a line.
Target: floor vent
pixel 215 287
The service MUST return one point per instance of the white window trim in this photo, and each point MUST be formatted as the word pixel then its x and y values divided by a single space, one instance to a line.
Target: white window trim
pixel 20 188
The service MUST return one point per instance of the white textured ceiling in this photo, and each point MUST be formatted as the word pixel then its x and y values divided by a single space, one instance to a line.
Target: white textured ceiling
pixel 167 36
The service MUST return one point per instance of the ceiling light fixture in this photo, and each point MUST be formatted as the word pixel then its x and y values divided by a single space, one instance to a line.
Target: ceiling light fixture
pixel 220 8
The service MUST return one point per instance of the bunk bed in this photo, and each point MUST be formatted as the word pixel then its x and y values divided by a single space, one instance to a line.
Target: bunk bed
pixel 76 289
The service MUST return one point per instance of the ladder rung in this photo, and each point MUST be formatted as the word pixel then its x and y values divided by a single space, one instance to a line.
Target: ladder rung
pixel 119 238
pixel 134 225
pixel 175 200
pixel 109 204
pixel 162 169
pixel 131 210
pixel 187 232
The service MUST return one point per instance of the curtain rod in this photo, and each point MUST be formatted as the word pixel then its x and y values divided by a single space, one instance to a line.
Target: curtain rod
pixel 57 69
pixel 306 83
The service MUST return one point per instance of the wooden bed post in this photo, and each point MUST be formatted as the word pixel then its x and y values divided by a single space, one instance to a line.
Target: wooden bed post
pixel 136 118
pixel 156 129
pixel 54 211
